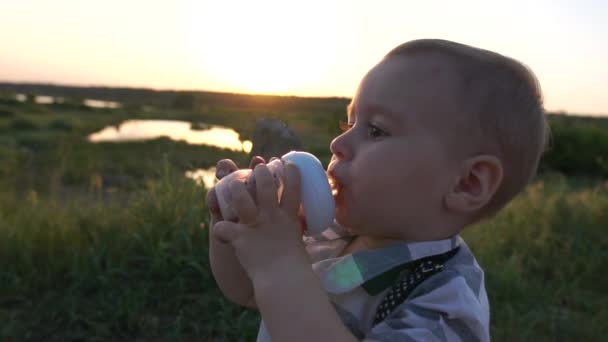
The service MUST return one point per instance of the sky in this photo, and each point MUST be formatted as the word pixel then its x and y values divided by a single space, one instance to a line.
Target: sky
pixel 304 48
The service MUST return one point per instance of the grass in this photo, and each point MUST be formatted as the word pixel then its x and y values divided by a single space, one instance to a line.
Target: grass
pixel 140 271
pixel 83 263
pixel 544 259
pixel 109 272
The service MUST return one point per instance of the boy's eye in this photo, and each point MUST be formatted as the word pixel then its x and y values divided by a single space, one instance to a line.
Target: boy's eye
pixel 374 131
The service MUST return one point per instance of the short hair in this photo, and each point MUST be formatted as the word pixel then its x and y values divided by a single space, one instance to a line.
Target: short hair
pixel 507 101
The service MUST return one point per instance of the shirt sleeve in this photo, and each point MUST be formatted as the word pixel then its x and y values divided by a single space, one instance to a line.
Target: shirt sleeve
pixel 443 308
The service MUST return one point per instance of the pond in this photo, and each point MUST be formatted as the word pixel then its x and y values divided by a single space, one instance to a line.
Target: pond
pixel 204 177
pixel 212 135
pixel 101 104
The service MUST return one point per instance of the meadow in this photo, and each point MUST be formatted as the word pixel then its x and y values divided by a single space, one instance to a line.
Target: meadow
pixel 108 241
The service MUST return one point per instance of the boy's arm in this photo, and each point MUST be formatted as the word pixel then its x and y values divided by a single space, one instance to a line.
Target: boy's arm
pixel 229 274
pixel 295 307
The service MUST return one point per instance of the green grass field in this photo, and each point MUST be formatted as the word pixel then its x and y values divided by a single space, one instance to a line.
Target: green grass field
pixel 83 263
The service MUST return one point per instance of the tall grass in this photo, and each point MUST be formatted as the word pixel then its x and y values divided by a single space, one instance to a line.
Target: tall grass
pixel 140 271
pixel 544 258
pixel 104 272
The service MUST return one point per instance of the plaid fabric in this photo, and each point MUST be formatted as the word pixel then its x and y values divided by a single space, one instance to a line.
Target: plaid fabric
pixel 416 273
pixel 451 305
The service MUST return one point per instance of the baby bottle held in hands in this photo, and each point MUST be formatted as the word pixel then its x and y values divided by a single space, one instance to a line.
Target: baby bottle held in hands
pixel 317 200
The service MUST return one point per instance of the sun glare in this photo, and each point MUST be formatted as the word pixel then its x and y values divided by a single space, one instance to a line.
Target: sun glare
pixel 262 46
pixel 259 72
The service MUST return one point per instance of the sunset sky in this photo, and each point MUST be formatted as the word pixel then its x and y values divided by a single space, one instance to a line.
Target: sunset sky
pixel 307 48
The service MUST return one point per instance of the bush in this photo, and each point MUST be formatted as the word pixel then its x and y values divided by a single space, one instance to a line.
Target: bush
pixel 22 124
pixel 577 147
pixel 6 113
pixel 61 125
pixel 9 101
pixel 34 142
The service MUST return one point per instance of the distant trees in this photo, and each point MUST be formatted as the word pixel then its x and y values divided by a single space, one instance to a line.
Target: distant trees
pixel 185 101
pixel 578 146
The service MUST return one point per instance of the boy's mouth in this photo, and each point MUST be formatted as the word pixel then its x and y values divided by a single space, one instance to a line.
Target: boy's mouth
pixel 334 184
pixel 335 188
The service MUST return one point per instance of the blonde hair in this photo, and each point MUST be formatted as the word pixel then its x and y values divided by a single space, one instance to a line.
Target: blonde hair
pixel 507 102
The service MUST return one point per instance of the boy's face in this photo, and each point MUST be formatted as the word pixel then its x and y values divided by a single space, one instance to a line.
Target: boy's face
pixel 393 167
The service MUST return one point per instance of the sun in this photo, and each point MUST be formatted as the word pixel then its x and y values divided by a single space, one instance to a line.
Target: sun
pixel 266 47
pixel 259 70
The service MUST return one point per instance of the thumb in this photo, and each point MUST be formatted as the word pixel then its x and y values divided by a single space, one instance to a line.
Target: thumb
pixel 225 231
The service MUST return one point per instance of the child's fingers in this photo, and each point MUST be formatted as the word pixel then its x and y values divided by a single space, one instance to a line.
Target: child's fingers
pixel 290 200
pixel 225 167
pixel 213 206
pixel 242 203
pixel 225 231
pixel 266 189
pixel 255 161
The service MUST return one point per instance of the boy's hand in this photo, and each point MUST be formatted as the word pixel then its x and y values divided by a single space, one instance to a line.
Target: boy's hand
pixel 267 238
pixel 223 168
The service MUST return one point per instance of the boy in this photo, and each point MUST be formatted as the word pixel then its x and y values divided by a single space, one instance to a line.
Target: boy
pixel 439 136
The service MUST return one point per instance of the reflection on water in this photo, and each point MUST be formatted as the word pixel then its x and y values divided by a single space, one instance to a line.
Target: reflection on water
pixel 101 104
pixel 213 135
pixel 44 99
pixel 206 177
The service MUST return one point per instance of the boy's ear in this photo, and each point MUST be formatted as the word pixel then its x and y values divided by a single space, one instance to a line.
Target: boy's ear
pixel 477 183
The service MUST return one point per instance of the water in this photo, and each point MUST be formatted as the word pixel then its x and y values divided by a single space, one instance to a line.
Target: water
pixel 130 130
pixel 92 103
pixel 45 99
pixel 212 135
pixel 205 177
pixel 101 104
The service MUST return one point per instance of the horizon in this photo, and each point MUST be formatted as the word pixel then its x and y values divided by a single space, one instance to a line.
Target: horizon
pixel 548 111
pixel 271 48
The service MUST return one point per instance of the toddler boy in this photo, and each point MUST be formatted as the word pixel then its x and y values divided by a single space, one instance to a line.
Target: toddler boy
pixel 439 136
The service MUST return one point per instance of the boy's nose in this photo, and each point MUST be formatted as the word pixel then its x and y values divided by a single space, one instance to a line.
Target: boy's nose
pixel 340 148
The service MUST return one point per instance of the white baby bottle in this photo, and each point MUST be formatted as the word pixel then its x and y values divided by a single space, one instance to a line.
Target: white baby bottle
pixel 317 200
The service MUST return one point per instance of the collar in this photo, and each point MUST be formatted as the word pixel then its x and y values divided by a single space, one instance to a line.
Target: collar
pixel 376 269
